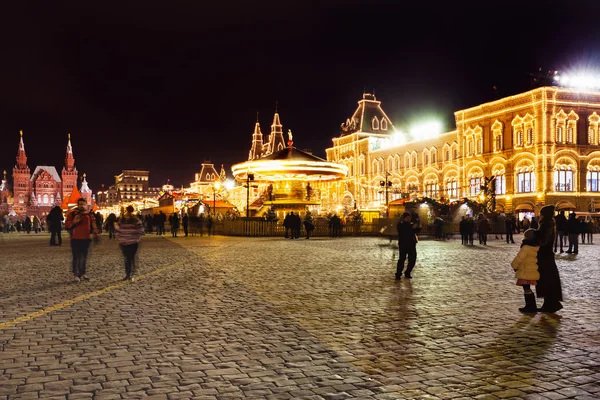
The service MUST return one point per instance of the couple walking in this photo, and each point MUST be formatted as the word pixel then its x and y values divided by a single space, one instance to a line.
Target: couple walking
pixel 81 225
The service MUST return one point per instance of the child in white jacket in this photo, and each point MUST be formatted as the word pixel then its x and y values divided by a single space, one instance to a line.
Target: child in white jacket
pixel 526 269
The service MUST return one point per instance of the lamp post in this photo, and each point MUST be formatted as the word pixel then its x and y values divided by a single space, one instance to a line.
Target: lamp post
pixel 216 187
pixel 386 184
pixel 249 179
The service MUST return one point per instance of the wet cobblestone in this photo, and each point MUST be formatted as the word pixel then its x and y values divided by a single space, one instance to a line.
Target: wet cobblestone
pixel 270 318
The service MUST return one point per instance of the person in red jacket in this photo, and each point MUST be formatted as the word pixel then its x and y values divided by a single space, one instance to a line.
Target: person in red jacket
pixel 81 226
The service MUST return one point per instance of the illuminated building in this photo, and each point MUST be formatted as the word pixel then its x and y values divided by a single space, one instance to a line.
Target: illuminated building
pixel 542 147
pixel 130 186
pixel 38 192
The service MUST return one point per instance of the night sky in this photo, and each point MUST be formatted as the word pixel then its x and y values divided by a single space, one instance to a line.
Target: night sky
pixel 164 85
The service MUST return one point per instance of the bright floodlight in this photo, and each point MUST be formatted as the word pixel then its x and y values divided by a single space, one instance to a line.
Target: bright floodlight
pixel 578 81
pixel 229 184
pixel 398 138
pixel 426 130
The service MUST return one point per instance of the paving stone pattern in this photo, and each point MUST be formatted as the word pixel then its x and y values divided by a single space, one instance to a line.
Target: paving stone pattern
pixel 270 318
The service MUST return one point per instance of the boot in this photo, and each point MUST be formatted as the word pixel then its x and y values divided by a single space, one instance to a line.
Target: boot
pixel 530 305
pixel 551 306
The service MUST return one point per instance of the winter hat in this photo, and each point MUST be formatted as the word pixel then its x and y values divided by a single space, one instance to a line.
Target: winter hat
pixel 547 211
pixel 529 234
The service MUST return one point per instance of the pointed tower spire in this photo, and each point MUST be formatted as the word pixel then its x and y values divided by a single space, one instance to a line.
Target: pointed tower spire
pixel 222 174
pixel 21 155
pixel 69 159
pixel 257 143
pixel 276 140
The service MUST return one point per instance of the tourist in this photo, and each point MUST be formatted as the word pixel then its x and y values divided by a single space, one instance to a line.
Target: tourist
pixel 509 224
pixel 109 225
pixel 590 230
pixel 55 218
pixel 130 230
pixel 549 285
pixel 174 222
pixel 483 228
pixel 308 224
pixel 526 269
pixel 561 230
pixel 287 224
pixel 184 223
pixel 27 224
pixel 81 226
pixel 36 224
pixel 573 232
pixel 407 244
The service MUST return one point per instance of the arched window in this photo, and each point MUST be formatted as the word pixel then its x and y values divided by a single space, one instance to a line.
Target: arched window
pixel 498 143
pixel 456 154
pixel 51 199
pixel 45 199
pixel 470 147
pixel 475 183
pixel 390 164
pixel 434 156
pixel 39 199
pixel 414 161
pixel 452 189
pixel 407 161
pixel 520 138
pixel 500 183
pixel 426 159
pixel 559 134
pixel 570 135
pixel 375 124
pixel 530 136
pixel 384 125
pixel 591 135
pixel 447 155
pixel 479 145
pixel 593 180
pixel 525 181
pixel 563 179
pixel 432 189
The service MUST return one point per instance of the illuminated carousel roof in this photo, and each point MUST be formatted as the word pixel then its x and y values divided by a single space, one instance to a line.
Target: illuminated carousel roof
pixel 290 164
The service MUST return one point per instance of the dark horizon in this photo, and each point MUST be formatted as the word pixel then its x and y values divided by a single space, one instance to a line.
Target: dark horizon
pixel 164 88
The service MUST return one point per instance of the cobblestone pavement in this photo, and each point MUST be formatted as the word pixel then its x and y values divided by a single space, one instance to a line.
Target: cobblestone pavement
pixel 270 318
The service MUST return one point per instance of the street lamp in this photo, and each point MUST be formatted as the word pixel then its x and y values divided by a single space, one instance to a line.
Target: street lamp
pixel 249 178
pixel 216 187
pixel 386 184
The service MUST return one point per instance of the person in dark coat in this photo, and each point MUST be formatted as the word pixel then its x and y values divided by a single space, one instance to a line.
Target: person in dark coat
pixel 407 244
pixel 55 218
pixel 287 224
pixel 27 224
pixel 573 231
pixel 548 286
pixel 582 229
pixel 309 225
pixel 184 224
pixel 534 223
pixel 109 224
pixel 561 230
pixel 483 228
pixel 99 221
pixel 462 228
pixel 174 222
pixel 509 224
pixel 470 229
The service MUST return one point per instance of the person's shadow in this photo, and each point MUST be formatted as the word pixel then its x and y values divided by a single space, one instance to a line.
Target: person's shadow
pixel 519 348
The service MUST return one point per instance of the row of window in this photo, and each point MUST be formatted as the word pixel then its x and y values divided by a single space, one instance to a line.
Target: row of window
pixel 525 183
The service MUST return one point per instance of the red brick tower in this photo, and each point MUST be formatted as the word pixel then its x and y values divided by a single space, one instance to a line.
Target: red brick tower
pixel 21 175
pixel 69 172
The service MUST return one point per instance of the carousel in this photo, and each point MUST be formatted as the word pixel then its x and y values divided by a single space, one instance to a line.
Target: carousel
pixel 287 180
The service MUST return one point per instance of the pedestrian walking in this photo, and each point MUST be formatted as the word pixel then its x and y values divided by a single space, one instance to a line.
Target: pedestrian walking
pixel 185 220
pixel 561 230
pixel 548 286
pixel 407 244
pixel 27 224
pixel 526 269
pixel 590 230
pixel 483 228
pixel 308 224
pixel 573 232
pixel 109 225
pixel 81 226
pixel 509 224
pixel 129 229
pixel 55 218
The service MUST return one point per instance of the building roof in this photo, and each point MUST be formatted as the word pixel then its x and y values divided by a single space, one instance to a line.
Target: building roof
pixel 51 170
pixel 363 118
pixel 208 173
pixel 292 153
